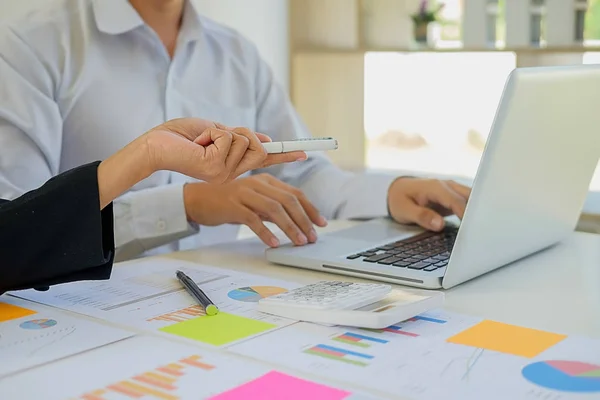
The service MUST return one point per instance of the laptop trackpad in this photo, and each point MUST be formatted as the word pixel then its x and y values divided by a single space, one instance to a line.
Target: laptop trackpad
pixel 376 231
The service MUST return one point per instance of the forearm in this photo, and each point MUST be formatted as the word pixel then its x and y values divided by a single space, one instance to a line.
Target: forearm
pixel 56 233
pixel 343 195
pixel 124 169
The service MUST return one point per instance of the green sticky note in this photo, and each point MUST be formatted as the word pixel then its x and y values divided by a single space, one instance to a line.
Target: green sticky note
pixel 218 330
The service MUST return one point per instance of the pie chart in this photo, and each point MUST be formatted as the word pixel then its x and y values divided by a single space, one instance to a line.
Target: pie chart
pixel 252 294
pixel 564 376
pixel 38 324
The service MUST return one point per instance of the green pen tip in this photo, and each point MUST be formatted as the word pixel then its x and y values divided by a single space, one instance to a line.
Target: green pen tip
pixel 212 310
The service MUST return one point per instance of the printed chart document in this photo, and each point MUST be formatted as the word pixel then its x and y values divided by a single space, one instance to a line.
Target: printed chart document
pixel 154 368
pixel 31 334
pixel 146 295
pixel 440 355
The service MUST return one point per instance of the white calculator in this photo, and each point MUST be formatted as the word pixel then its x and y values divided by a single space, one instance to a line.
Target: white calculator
pixel 364 305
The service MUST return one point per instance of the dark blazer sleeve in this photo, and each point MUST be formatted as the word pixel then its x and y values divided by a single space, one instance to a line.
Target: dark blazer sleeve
pixel 56 234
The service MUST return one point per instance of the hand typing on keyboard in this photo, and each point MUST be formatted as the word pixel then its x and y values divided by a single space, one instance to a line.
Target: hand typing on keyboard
pixel 426 201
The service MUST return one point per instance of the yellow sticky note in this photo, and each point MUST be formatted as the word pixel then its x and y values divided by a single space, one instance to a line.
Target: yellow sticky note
pixel 218 329
pixel 9 311
pixel 505 338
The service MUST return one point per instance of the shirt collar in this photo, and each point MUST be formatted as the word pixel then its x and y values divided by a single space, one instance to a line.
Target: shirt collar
pixel 118 16
pixel 191 26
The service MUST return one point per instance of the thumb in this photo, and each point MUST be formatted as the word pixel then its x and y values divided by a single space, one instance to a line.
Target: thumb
pixel 213 135
pixel 422 216
pixel 204 139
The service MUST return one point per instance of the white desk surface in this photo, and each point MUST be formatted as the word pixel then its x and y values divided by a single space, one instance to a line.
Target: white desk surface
pixel 556 290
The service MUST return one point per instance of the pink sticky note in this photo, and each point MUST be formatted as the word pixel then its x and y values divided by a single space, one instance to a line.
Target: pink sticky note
pixel 278 386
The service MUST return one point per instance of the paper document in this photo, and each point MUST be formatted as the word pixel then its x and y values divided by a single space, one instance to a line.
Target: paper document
pixel 146 295
pixel 31 334
pixel 154 368
pixel 440 355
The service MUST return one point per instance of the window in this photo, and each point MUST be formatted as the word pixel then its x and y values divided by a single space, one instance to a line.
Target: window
pixel 592 22
pixel 432 112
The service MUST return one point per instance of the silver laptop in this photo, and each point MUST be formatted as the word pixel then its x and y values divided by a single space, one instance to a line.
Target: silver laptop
pixel 528 193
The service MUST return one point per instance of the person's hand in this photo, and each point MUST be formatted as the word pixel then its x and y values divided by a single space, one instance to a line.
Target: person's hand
pixel 251 201
pixel 210 151
pixel 195 147
pixel 426 201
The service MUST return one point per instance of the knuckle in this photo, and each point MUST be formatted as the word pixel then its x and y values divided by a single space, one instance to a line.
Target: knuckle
pixel 252 220
pixel 274 208
pixel 299 194
pixel 290 200
pixel 242 130
pixel 243 140
pixel 226 134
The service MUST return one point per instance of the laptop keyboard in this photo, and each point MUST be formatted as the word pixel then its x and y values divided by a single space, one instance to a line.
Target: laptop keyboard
pixel 427 251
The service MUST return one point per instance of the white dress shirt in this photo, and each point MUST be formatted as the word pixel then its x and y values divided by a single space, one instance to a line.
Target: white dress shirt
pixel 82 78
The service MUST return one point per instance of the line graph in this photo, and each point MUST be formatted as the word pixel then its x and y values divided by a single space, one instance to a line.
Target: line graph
pixel 461 368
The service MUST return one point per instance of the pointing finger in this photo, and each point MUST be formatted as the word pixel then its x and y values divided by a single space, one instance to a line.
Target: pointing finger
pixel 282 158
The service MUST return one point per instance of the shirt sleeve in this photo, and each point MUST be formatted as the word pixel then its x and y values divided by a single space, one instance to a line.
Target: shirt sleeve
pixel 336 193
pixel 56 234
pixel 150 218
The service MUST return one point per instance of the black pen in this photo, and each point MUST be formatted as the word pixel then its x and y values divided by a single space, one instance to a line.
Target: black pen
pixel 197 293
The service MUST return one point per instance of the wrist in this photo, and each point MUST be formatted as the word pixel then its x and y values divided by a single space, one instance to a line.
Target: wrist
pixel 148 151
pixel 119 172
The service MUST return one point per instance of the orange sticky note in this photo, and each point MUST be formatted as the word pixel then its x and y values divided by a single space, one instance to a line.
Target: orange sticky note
pixel 9 311
pixel 505 338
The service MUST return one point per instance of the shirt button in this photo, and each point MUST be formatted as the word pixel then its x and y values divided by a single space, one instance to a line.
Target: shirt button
pixel 161 225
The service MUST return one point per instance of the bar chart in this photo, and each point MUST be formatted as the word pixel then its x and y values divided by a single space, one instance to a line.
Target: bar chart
pixel 407 327
pixel 427 319
pixel 339 354
pixel 355 339
pixel 395 329
pixel 180 315
pixel 160 383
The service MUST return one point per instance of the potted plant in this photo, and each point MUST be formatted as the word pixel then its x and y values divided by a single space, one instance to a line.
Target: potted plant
pixel 423 18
